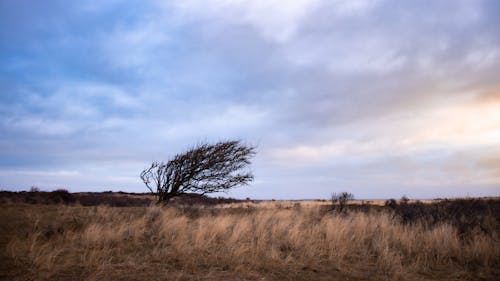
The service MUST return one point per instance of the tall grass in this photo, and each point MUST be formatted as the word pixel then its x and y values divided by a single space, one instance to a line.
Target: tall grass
pixel 103 243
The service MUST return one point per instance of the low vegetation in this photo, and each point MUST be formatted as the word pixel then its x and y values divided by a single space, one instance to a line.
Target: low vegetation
pixel 111 199
pixel 408 241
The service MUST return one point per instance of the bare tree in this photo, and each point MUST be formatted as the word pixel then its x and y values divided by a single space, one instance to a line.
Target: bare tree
pixel 203 169
pixel 341 199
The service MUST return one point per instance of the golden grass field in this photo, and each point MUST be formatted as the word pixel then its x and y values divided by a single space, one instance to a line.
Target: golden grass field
pixel 274 241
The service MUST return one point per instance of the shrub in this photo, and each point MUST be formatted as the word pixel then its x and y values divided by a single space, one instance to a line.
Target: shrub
pixel 61 196
pixel 341 199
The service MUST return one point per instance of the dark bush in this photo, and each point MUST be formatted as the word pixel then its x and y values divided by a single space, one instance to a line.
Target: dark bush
pixel 391 203
pixel 198 199
pixel 340 200
pixel 467 215
pixel 112 200
pixel 61 196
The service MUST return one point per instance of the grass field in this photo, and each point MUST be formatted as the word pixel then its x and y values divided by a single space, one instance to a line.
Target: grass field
pixel 276 241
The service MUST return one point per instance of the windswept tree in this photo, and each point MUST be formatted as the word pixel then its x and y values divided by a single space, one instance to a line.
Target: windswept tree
pixel 205 168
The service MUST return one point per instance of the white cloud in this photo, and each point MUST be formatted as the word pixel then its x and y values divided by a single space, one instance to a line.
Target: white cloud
pixel 43 173
pixel 437 144
pixel 353 7
pixel 41 126
pixel 232 121
pixel 463 123
pixel 135 47
pixel 274 19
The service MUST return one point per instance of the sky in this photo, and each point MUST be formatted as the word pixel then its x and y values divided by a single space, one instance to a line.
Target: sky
pixel 378 98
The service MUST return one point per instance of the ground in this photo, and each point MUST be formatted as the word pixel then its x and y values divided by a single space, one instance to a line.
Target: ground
pixel 297 240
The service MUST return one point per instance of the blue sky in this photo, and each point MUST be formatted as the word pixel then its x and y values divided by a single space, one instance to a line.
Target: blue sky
pixel 379 98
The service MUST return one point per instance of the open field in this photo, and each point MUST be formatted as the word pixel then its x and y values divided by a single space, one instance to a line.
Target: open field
pixel 270 204
pixel 275 242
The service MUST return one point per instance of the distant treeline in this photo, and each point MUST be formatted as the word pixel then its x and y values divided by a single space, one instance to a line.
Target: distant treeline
pixel 107 198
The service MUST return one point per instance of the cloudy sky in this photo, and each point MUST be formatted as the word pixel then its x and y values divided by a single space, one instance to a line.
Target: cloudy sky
pixel 379 98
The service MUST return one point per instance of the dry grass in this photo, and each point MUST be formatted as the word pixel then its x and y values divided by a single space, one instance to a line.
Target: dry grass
pixel 153 243
pixel 286 204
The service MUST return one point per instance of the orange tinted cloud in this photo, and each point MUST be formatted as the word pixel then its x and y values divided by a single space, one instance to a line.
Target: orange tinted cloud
pixel 490 96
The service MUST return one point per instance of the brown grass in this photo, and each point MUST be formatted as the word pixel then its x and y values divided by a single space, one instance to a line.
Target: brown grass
pixel 51 242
